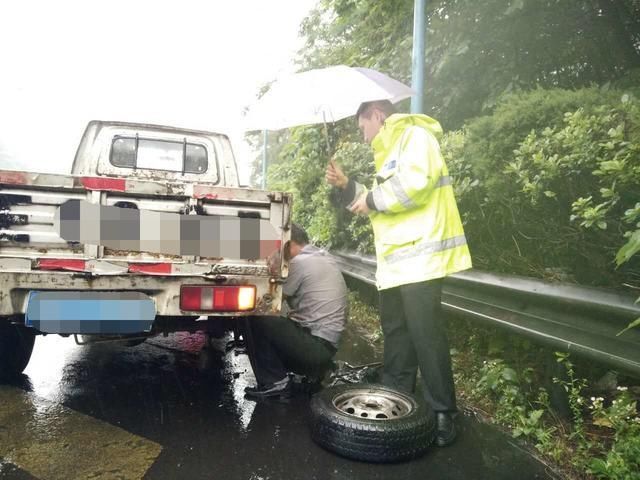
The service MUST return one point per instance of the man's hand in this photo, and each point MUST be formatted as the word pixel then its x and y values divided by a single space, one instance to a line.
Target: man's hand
pixel 335 176
pixel 360 206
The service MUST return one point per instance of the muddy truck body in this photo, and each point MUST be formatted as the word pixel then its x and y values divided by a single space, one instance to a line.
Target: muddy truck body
pixel 150 233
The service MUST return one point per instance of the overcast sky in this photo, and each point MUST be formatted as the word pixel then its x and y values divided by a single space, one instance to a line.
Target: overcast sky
pixel 185 63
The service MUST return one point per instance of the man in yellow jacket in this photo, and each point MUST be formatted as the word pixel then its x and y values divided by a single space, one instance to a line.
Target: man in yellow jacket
pixel 419 240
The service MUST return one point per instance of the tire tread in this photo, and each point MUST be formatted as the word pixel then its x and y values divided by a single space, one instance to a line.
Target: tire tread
pixel 377 441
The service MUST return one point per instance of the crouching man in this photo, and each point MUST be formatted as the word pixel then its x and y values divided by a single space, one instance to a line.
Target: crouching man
pixel 305 339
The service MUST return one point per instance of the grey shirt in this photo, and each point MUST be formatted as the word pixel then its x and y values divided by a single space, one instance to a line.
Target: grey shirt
pixel 317 294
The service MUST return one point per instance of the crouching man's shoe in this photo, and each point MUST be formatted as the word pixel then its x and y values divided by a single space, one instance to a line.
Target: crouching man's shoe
pixel 446 429
pixel 281 388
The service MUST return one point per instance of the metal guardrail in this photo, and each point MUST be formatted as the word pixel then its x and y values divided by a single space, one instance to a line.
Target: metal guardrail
pixel 565 317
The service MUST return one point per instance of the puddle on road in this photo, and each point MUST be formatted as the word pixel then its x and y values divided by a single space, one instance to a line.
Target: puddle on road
pixel 51 355
pixel 206 428
pixel 239 368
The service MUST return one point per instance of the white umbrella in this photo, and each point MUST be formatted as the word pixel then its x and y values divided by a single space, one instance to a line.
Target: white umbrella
pixel 322 95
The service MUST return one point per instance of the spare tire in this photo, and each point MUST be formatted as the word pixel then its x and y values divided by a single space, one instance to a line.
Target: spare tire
pixel 371 422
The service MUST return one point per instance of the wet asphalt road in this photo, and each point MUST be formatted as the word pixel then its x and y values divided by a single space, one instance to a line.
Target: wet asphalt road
pixel 110 411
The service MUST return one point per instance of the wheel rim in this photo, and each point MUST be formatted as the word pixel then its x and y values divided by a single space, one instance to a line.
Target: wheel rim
pixel 373 404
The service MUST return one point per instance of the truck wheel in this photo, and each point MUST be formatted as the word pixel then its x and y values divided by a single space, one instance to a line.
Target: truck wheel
pixel 373 423
pixel 16 345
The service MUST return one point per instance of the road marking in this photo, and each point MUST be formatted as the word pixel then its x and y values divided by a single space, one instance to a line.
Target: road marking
pixel 51 441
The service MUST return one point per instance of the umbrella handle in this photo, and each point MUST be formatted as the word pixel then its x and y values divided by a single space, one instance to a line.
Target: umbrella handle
pixel 326 134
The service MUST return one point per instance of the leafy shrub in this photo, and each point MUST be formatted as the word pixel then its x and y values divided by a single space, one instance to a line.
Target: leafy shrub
pixel 601 438
pixel 551 199
pixel 516 405
pixel 493 138
pixel 622 461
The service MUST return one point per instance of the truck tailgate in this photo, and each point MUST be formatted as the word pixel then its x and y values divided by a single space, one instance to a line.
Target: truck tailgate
pixel 29 203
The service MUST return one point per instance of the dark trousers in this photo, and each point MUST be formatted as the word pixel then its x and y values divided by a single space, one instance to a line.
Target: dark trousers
pixel 278 345
pixel 415 336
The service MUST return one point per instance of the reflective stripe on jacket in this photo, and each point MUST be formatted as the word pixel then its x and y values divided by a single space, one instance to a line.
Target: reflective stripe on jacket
pixel 417 228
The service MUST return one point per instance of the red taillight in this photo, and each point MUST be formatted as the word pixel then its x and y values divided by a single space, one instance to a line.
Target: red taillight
pixel 61 264
pixel 190 298
pixel 227 298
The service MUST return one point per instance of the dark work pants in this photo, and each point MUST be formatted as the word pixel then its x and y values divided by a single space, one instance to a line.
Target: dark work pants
pixel 277 345
pixel 415 336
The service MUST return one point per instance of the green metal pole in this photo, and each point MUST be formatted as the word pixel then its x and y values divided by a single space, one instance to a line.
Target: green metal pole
pixel 265 138
pixel 417 71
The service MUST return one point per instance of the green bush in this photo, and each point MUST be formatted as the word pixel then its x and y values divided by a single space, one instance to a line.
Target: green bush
pixel 552 198
pixel 492 139
pixel 517 405
pixel 602 437
pixel 622 461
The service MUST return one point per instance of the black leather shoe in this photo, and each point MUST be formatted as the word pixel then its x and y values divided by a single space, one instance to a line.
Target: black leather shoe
pixel 446 429
pixel 277 389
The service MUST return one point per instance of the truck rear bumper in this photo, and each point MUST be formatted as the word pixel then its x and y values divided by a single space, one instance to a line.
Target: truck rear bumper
pixel 163 290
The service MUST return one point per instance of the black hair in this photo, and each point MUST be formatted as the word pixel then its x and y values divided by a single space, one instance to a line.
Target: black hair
pixel 383 105
pixel 298 234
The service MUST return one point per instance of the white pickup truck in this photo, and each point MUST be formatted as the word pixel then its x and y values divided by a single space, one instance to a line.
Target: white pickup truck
pixel 203 251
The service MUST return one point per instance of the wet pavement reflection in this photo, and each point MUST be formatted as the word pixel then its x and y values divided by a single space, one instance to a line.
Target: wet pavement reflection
pixel 110 411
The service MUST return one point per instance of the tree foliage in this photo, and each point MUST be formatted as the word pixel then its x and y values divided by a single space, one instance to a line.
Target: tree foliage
pixel 478 51
pixel 300 170
pixel 557 197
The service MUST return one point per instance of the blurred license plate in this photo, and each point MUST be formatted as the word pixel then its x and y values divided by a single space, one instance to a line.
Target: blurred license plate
pixel 90 312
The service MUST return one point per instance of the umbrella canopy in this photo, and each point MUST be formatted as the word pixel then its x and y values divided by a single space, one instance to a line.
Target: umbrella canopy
pixel 322 95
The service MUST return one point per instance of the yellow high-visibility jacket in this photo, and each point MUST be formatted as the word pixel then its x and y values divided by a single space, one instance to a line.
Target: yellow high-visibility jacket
pixel 417 228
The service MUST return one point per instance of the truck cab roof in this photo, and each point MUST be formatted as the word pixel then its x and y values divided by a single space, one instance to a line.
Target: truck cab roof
pixel 155 152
